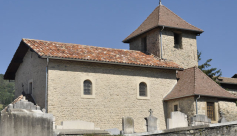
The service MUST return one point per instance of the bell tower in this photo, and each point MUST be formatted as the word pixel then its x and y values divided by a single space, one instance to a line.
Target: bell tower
pixel 167 36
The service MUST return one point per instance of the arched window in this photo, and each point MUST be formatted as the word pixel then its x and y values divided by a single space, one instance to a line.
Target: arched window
pixel 142 89
pixel 87 87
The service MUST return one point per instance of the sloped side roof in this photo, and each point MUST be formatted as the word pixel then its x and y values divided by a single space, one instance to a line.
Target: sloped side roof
pixel 162 16
pixel 226 80
pixel 193 81
pixel 57 50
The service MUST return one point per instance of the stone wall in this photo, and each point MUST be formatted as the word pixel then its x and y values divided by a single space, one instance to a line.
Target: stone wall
pixel 202 107
pixel 222 129
pixel 32 68
pixel 116 89
pixel 186 106
pixel 187 55
pixel 229 109
pixel 136 44
pixel 152 42
pixel 153 45
pixel 28 121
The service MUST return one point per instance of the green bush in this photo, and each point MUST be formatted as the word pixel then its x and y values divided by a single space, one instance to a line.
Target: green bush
pixel 7 90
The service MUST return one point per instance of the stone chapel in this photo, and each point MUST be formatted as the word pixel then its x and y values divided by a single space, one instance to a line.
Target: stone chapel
pixel 103 85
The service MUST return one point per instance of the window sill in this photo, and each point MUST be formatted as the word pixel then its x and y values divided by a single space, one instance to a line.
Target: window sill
pixel 88 96
pixel 143 98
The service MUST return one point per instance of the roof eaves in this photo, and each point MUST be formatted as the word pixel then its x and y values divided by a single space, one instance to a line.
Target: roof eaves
pixel 21 50
pixel 182 19
pixel 200 95
pixel 129 39
pixel 235 98
pixel 31 48
pixel 199 32
pixel 117 63
pixel 221 82
pixel 178 97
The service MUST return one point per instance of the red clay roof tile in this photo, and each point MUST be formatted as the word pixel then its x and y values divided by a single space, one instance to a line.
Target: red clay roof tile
pixel 91 53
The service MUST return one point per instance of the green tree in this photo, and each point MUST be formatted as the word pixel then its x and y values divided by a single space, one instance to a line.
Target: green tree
pixel 213 73
pixel 7 90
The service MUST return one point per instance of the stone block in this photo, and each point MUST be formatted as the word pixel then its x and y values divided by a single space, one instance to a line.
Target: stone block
pixel 78 124
pixel 37 107
pixel 200 120
pixel 17 105
pixel 9 108
pixel 27 105
pixel 58 127
pixel 128 125
pixel 222 120
pixel 113 131
pixel 32 106
pixel 151 122
pixel 178 119
pixel 22 122
pixel 37 111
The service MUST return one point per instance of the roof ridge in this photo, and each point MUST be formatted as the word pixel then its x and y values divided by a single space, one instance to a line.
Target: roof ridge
pixel 83 45
pixel 195 78
pixel 182 19
pixel 158 15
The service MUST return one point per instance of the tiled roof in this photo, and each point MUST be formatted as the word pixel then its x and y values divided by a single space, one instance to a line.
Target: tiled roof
pixel 162 16
pixel 225 80
pixel 69 51
pixel 193 81
pixel 98 54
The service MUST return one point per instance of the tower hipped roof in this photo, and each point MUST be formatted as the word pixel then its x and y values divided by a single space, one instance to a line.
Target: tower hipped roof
pixel 162 16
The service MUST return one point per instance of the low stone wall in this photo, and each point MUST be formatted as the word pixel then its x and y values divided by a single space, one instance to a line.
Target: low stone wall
pixel 219 129
pixel 21 122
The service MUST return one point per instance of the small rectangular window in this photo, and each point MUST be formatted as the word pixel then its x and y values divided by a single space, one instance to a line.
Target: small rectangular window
pixel 30 87
pixel 144 44
pixel 210 110
pixel 178 40
pixel 175 107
